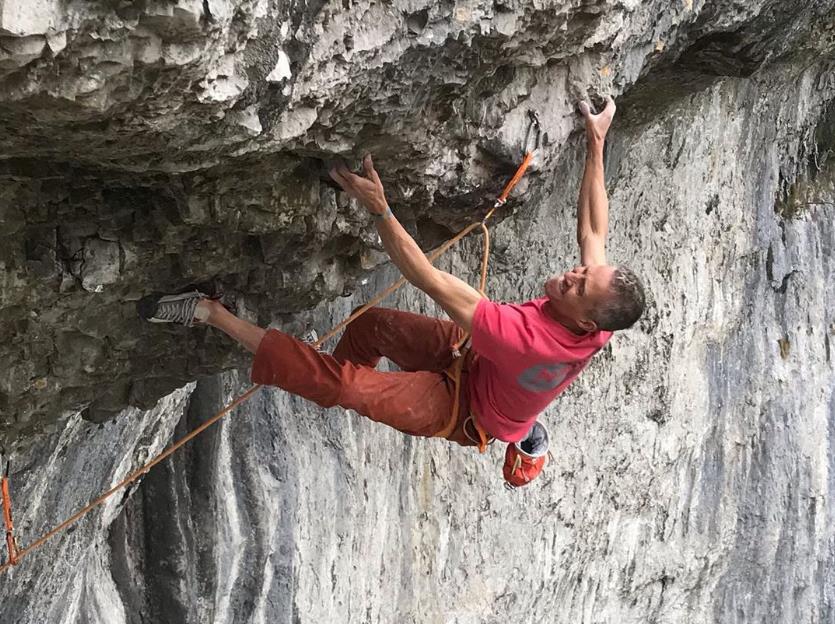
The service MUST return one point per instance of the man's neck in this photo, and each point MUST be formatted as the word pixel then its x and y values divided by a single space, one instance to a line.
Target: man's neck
pixel 552 311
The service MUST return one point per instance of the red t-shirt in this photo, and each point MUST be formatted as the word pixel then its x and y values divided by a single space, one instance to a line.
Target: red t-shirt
pixel 525 359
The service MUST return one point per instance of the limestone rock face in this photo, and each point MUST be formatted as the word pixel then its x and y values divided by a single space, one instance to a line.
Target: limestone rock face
pixel 158 146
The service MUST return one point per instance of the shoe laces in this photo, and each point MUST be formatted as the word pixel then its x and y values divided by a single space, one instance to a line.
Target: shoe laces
pixel 181 311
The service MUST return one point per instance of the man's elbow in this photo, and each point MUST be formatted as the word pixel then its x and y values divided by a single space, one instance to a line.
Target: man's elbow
pixel 432 283
pixel 590 237
pixel 592 250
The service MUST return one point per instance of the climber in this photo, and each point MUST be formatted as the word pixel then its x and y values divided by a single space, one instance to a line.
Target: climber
pixel 521 356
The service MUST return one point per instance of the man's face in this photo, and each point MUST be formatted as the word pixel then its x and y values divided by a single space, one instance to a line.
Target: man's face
pixel 576 293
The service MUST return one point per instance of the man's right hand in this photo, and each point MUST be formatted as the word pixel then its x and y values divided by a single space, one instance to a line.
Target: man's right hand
pixel 598 125
pixel 367 190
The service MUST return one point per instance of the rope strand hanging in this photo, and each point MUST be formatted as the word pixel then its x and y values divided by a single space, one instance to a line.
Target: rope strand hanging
pixel 15 554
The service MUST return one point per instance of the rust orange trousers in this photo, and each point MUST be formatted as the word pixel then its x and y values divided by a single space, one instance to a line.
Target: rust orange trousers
pixel 417 401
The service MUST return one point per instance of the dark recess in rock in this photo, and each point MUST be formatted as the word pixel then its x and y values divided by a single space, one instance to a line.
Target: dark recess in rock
pixel 416 22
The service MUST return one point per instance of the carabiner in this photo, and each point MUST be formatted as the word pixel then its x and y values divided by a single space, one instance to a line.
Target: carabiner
pixel 536 126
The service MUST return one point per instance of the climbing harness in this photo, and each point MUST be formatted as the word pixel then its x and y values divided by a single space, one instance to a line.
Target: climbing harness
pixel 15 554
pixel 480 438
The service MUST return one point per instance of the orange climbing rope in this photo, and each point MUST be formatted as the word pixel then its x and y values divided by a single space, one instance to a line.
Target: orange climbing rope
pixel 7 517
pixel 15 554
pixel 127 480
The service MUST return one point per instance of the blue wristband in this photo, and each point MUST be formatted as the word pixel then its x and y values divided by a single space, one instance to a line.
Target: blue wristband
pixel 382 217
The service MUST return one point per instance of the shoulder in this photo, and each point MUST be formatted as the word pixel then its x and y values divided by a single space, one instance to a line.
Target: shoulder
pixel 601 337
pixel 525 312
pixel 593 342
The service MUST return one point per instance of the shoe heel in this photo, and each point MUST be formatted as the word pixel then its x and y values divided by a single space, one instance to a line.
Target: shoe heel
pixel 147 306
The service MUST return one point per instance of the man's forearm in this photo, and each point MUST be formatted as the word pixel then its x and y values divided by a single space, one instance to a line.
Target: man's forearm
pixel 593 204
pixel 404 252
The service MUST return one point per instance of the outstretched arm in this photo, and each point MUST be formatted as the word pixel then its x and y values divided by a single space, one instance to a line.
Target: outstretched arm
pixel 593 204
pixel 456 297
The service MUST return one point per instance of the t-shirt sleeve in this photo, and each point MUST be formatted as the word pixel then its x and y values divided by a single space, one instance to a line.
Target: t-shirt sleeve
pixel 498 330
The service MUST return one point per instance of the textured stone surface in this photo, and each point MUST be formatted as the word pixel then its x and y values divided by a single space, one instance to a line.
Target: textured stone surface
pixel 64 470
pixel 153 147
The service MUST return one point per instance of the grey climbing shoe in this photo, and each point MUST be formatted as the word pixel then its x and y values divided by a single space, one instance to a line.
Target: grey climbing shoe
pixel 310 336
pixel 535 443
pixel 180 308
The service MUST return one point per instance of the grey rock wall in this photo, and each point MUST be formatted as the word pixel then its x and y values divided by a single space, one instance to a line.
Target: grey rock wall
pixel 63 471
pixel 692 478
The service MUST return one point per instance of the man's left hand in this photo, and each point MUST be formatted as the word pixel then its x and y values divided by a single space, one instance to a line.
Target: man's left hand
pixel 367 189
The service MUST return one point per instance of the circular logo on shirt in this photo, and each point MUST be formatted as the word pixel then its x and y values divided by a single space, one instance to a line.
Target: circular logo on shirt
pixel 543 377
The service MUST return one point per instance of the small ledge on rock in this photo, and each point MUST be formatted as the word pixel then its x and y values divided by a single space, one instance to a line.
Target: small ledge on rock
pixel 56 41
pixel 295 123
pixel 246 119
pixel 32 17
pixel 173 21
pixel 224 83
pixel 101 264
pixel 281 71
pixel 19 51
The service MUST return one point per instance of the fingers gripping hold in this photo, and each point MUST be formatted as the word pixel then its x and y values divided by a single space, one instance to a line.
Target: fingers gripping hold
pixel 370 171
pixel 337 177
pixel 367 189
pixel 585 109
pixel 597 124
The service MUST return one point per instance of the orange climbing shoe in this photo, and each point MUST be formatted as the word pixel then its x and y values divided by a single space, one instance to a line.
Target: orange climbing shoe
pixel 524 460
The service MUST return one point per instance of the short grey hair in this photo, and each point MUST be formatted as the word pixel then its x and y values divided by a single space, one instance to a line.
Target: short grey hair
pixel 625 303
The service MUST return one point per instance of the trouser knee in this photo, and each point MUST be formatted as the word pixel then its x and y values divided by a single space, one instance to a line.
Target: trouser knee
pixel 366 319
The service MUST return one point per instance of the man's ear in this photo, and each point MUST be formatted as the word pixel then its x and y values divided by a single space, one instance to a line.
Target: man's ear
pixel 587 325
